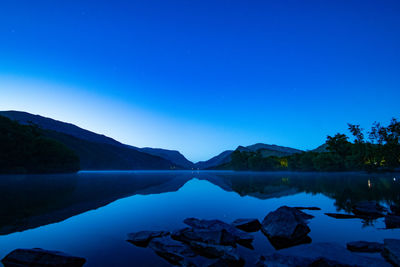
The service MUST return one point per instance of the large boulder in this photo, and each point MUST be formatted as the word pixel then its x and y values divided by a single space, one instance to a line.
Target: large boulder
pixel 369 209
pixel 392 221
pixel 39 257
pixel 320 254
pixel 286 227
pixel 143 238
pixel 391 251
pixel 364 246
pixel 230 232
pixel 171 250
pixel 247 225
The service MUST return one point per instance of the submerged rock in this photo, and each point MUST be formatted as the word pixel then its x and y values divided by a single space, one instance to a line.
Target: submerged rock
pixel 277 260
pixel 143 238
pixel 248 225
pixel 369 209
pixel 320 254
pixel 231 234
pixel 342 216
pixel 204 224
pixel 210 250
pixel 391 251
pixel 215 237
pixel 229 260
pixel 171 250
pixel 392 221
pixel 286 227
pixel 40 257
pixel 212 239
pixel 261 262
pixel 208 236
pixel 364 246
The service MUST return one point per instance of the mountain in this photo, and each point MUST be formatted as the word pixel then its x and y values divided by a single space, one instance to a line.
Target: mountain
pixel 95 151
pixel 100 156
pixel 69 129
pixel 172 155
pixel 322 148
pixel 98 151
pixel 282 149
pixel 222 158
pixel 24 149
pixel 265 149
pixel 270 150
pixel 58 126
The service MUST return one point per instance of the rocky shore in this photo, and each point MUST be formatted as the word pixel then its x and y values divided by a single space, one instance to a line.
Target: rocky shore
pixel 217 243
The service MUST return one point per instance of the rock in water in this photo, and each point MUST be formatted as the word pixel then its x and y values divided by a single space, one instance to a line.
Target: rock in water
pixel 172 251
pixel 248 225
pixel 392 221
pixel 207 236
pixel 143 238
pixel 210 250
pixel 391 251
pixel 40 257
pixel 320 254
pixel 277 260
pixel 369 209
pixel 203 224
pixel 286 227
pixel 230 232
pixel 229 260
pixel 210 243
pixel 363 246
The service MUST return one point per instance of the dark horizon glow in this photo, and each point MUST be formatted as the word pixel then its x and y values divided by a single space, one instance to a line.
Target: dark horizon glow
pixel 203 76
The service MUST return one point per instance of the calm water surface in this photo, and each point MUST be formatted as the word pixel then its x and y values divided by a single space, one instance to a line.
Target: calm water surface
pixel 89 214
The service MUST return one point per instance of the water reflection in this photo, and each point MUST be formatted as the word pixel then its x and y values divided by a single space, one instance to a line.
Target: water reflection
pixel 31 201
pixel 345 189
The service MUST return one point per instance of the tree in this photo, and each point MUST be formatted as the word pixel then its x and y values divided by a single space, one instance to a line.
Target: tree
pixel 239 160
pixel 357 133
pixel 339 145
pixel 24 149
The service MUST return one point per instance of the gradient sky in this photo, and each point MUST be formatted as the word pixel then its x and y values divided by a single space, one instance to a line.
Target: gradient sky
pixel 203 76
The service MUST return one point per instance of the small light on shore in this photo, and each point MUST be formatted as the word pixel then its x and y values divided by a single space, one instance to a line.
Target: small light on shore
pixel 394 179
pixel 369 183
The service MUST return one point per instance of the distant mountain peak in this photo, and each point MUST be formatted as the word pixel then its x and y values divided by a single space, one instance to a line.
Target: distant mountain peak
pixel 284 149
pixel 221 158
pixel 172 155
pixel 265 149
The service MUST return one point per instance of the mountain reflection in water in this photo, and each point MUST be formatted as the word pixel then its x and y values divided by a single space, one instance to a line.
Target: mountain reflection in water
pixel 29 201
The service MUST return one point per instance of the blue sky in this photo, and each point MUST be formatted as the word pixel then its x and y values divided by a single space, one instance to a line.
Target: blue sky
pixel 203 76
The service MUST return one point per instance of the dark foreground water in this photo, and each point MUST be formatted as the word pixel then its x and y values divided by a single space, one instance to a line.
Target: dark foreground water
pixel 89 214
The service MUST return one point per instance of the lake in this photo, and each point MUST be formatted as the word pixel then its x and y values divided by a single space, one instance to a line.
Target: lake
pixel 89 214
